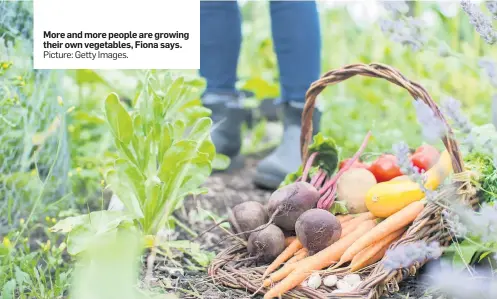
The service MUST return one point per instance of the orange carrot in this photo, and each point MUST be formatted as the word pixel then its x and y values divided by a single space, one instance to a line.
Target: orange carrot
pixel 289 240
pixel 281 273
pixel 378 256
pixel 347 230
pixel 301 254
pixel 344 218
pixel 395 222
pixel 283 257
pixel 368 255
pixel 359 218
pixel 300 251
pixel 318 261
pixel 352 224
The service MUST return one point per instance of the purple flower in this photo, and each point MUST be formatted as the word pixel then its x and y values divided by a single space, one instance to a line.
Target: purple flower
pixel 492 8
pixel 457 228
pixel 452 108
pixel 405 255
pixel 481 22
pixel 401 151
pixel 458 284
pixel 432 126
pixel 490 68
pixel 463 222
pixel 396 7
pixel 407 31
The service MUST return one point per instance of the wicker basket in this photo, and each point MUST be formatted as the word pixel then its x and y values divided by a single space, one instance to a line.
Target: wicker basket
pixel 429 225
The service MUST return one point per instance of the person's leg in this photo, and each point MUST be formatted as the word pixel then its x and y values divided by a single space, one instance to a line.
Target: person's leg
pixel 220 41
pixel 297 42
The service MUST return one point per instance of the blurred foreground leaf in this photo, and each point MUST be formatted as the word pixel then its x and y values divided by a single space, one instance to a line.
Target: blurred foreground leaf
pixel 220 162
pixel 85 228
pixel 109 269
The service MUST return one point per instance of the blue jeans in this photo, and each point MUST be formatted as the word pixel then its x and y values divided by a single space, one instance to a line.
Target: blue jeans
pixel 296 37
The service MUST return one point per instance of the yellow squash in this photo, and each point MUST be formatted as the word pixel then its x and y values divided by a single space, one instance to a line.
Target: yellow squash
pixel 386 198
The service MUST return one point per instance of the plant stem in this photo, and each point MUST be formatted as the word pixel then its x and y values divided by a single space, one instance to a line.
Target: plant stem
pixel 45 183
pixel 315 178
pixel 323 198
pixel 320 180
pixel 308 166
pixel 184 227
pixel 346 167
pixel 330 199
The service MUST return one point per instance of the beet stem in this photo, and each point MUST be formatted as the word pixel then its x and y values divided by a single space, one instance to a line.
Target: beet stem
pixel 320 180
pixel 328 201
pixel 237 227
pixel 347 166
pixel 210 228
pixel 308 166
pixel 323 198
pixel 315 178
pixel 257 229
pixel 332 197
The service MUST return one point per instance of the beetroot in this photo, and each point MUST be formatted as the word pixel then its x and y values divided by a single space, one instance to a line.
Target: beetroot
pixel 247 216
pixel 243 218
pixel 286 205
pixel 266 244
pixel 320 166
pixel 317 229
pixel 289 202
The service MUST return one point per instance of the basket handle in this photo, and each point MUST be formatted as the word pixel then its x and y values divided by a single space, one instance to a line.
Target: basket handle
pixel 378 71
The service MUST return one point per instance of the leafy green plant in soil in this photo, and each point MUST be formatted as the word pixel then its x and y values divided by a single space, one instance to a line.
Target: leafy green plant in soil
pixel 163 153
pixel 31 267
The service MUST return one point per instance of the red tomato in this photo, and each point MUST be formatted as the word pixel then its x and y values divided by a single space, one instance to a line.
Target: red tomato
pixel 385 168
pixel 426 148
pixel 425 157
pixel 356 164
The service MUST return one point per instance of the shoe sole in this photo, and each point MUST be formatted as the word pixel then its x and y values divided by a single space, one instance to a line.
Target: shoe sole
pixel 267 181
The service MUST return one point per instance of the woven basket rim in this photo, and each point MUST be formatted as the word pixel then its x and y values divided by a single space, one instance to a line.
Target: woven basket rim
pixel 375 70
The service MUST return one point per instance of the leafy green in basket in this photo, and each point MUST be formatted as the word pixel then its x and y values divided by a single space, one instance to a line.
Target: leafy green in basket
pixel 320 169
pixel 326 160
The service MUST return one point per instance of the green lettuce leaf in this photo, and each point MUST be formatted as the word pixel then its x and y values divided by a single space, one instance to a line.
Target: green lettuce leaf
pixel 339 207
pixel 327 159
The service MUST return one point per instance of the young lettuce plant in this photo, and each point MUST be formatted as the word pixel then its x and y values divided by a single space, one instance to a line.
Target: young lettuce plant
pixel 164 153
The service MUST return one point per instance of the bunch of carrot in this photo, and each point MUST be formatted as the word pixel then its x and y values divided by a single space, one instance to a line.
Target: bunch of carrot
pixel 364 241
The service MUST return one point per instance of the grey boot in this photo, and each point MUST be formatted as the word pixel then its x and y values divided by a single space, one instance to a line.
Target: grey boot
pixel 285 159
pixel 227 117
